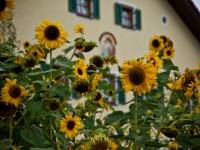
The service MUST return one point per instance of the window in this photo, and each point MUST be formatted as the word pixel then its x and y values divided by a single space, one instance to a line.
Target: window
pixel 85 8
pixel 127 16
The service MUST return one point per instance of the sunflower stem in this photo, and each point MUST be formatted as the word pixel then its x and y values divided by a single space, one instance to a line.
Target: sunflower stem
pixel 51 65
pixel 136 113
pixel 10 129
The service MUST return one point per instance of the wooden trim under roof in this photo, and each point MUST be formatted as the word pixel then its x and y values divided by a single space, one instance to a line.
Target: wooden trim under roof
pixel 189 13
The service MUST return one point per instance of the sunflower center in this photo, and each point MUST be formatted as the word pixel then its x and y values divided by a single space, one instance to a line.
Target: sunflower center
pixel 70 125
pixel 169 53
pixel 26 44
pixel 136 75
pixel 80 72
pixel 97 97
pixel 100 145
pixel 54 105
pixel 156 43
pixel 164 39
pixel 14 91
pixel 2 5
pixel 35 53
pixel 52 32
pixel 82 87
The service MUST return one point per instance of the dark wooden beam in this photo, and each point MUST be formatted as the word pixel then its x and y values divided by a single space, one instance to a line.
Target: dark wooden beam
pixel 189 14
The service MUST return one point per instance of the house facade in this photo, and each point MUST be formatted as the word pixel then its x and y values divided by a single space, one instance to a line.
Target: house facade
pixel 121 28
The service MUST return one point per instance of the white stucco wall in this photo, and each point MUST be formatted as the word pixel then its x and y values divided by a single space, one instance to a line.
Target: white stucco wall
pixel 131 44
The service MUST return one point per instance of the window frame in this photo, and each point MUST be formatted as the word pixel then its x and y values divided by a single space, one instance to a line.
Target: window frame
pixel 131 17
pixel 89 8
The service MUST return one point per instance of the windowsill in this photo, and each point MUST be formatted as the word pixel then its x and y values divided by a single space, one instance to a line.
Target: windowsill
pixel 127 27
pixel 85 16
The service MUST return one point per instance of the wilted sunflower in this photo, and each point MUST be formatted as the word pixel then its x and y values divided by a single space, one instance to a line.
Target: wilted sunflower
pixel 97 60
pixel 36 51
pixel 95 80
pixel 5 6
pixel 80 69
pixel 79 28
pixel 29 62
pixel 153 58
pixel 51 34
pixel 138 76
pixel 101 142
pixel 156 44
pixel 70 125
pixel 11 92
pixel 6 110
pixel 168 53
pixel 26 44
pixel 82 87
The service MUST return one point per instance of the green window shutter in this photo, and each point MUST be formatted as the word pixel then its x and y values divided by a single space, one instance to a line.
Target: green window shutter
pixel 72 6
pixel 138 19
pixel 121 94
pixel 118 14
pixel 96 13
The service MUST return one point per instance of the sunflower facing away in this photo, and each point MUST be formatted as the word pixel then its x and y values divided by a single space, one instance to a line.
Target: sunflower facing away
pixel 70 125
pixel 80 69
pixel 35 51
pixel 156 44
pixel 168 53
pixel 11 92
pixel 153 58
pixel 101 142
pixel 138 76
pixel 5 6
pixel 79 28
pixel 51 34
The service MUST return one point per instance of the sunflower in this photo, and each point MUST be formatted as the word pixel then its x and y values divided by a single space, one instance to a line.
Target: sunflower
pixel 36 51
pixel 156 44
pixel 153 58
pixel 26 44
pixel 79 28
pixel 70 125
pixel 138 76
pixel 51 34
pixel 97 60
pixel 80 69
pixel 98 98
pixel 30 62
pixel 54 105
pixel 5 6
pixel 12 93
pixel 95 81
pixel 101 142
pixel 6 110
pixel 176 85
pixel 82 86
pixel 168 53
